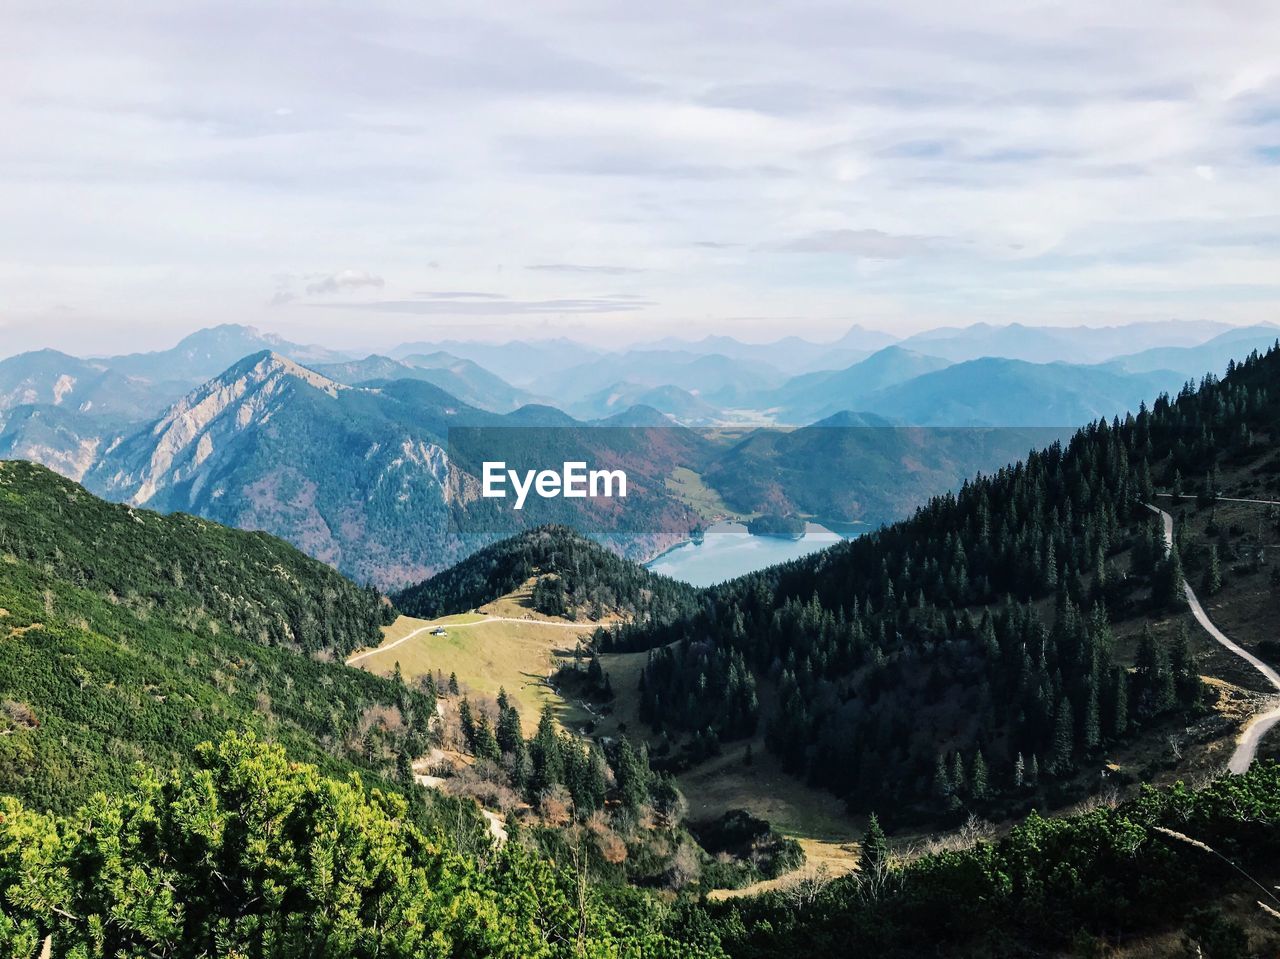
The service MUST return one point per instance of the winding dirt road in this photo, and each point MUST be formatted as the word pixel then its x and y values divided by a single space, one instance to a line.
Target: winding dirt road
pixel 1257 727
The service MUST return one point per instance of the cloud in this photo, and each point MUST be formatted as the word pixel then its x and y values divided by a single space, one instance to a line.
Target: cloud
pixel 327 284
pixel 458 295
pixel 584 268
pixel 868 244
pixel 1017 156
pixel 614 303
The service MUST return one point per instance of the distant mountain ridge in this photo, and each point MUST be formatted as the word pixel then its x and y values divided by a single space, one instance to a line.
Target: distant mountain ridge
pixel 356 473
pixel 462 378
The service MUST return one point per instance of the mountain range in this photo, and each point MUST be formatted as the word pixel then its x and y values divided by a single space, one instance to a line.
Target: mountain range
pixel 348 458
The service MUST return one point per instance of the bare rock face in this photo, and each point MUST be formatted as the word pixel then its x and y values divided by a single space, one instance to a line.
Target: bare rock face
pixel 186 436
pixel 353 476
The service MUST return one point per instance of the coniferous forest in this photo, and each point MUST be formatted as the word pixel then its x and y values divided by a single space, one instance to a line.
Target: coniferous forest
pixel 968 651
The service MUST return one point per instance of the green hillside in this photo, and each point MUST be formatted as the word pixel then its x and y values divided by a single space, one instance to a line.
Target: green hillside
pixel 127 636
pixel 581 577
pixel 992 651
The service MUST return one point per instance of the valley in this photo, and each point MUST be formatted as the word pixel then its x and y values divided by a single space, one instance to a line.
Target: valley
pixel 756 745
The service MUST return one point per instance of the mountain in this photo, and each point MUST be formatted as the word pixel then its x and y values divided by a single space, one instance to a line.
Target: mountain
pixel 790 354
pixel 1002 392
pixel 681 405
pixel 461 378
pixel 859 469
pixel 715 378
pixel 1047 344
pixel 524 363
pixel 208 352
pixel 61 439
pixel 1194 361
pixel 381 481
pixel 355 477
pixel 88 387
pixel 61 411
pixel 170 711
pixel 812 396
pixel 469 381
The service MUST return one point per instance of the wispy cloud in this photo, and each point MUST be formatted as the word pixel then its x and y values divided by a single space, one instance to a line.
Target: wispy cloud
pixel 342 281
pixel 1019 158
pixel 617 303
pixel 584 268
pixel 868 244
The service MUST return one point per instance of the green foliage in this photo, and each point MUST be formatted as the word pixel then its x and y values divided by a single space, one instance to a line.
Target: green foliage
pixel 250 854
pixel 128 636
pixel 1111 872
pixel 185 569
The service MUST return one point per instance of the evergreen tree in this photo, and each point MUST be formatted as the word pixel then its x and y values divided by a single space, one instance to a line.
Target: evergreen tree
pixel 453 684
pixel 958 784
pixel 1063 738
pixel 874 851
pixel 1212 582
pixel 509 733
pixel 943 789
pixel 468 724
pixel 486 746
pixel 633 782
pixel 548 764
pixel 1092 720
pixel 978 784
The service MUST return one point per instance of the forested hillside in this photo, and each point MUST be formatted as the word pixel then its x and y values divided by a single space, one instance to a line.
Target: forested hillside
pixel 186 569
pixel 969 652
pixel 576 576
pixel 128 636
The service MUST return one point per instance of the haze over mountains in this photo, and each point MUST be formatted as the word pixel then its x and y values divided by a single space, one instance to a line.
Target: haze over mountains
pixel 345 456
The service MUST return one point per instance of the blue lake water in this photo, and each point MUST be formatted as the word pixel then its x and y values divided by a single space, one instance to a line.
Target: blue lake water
pixel 728 550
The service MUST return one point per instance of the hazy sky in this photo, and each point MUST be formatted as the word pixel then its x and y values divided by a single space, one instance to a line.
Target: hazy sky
pixel 365 173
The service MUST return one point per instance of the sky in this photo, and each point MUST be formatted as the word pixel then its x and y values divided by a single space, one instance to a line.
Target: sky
pixel 363 174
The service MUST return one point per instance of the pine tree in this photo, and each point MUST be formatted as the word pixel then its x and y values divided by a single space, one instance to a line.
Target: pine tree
pixel 978 777
pixel 467 721
pixel 453 684
pixel 1213 572
pixel 548 765
pixel 942 785
pixel 509 733
pixel 1119 702
pixel 1092 720
pixel 1063 738
pixel 1019 772
pixel 874 851
pixel 1033 770
pixel 404 768
pixel 957 774
pixel 633 783
pixel 486 746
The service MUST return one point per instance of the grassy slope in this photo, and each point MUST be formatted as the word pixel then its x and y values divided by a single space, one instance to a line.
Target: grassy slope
pixel 489 655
